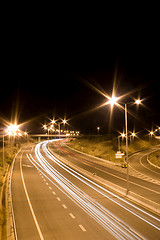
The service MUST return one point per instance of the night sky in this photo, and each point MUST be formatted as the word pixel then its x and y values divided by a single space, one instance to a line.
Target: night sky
pixel 45 76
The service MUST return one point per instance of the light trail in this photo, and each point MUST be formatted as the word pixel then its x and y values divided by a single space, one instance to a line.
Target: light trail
pixel 65 167
pixel 105 218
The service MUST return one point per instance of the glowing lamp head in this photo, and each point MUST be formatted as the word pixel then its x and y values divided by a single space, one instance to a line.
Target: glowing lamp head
pixel 12 128
pixel 113 100
pixel 44 126
pixel 138 101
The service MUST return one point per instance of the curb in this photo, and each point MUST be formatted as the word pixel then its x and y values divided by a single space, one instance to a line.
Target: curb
pixel 152 163
pixel 9 219
pixel 12 211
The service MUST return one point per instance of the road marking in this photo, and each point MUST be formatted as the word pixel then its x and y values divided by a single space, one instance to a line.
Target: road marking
pixel 29 202
pixel 64 206
pixel 44 180
pixel 46 183
pixel 54 193
pixel 72 216
pixel 82 228
pixel 27 166
pixel 58 199
pixel 50 188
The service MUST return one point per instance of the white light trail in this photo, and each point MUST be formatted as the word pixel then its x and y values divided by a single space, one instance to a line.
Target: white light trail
pixel 105 218
pixel 71 171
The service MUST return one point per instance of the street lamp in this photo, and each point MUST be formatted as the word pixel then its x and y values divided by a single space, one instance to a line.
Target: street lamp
pixel 112 101
pixel 138 101
pixel 151 133
pixel 12 130
pixel 64 121
pixel 132 135
pixel 119 144
pixel 98 128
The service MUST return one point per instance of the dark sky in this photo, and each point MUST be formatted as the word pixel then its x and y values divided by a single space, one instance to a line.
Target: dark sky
pixel 45 73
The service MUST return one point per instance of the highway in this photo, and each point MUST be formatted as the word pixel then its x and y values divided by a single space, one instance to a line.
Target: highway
pixel 51 200
pixel 142 181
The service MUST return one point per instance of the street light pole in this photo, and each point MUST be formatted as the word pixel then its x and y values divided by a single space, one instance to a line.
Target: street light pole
pixel 126 147
pixel 3 154
pixel 119 145
pixel 59 125
pixel 112 101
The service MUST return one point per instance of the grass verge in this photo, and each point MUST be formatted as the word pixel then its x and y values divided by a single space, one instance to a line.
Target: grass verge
pixel 103 147
pixel 155 158
pixel 10 152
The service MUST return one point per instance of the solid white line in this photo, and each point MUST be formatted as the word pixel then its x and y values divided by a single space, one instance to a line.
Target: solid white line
pixel 29 202
pixel 13 215
pixel 82 228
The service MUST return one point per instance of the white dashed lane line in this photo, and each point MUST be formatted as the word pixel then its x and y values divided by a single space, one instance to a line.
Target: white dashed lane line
pixel 82 228
pixel 64 206
pixel 72 216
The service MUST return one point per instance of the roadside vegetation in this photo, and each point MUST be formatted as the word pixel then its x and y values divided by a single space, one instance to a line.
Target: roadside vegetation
pixel 106 146
pixel 10 152
pixel 155 158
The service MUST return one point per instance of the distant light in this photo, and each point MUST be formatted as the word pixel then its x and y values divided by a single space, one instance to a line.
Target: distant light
pixel 151 132
pixel 138 101
pixel 64 121
pixel 123 135
pixel 133 134
pixel 44 126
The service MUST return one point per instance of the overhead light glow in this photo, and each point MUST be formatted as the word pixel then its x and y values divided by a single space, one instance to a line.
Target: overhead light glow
pixel 138 101
pixel 113 100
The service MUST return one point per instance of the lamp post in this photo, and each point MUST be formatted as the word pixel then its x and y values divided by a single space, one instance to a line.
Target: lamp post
pixel 11 130
pixel 119 141
pixel 59 126
pixel 151 133
pixel 98 128
pixel 3 154
pixel 112 101
pixel 126 123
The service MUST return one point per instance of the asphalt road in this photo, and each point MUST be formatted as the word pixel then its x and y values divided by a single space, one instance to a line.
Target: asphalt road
pixel 144 181
pixel 52 201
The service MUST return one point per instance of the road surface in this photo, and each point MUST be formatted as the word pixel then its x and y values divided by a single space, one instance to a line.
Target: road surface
pixel 53 201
